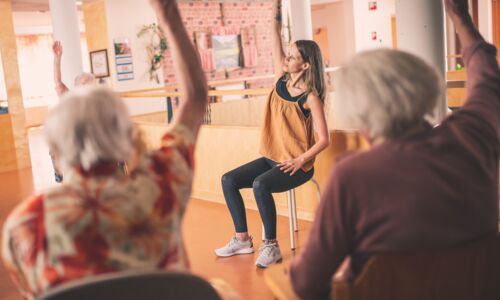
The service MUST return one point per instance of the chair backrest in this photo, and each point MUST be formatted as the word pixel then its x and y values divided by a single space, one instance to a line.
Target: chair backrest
pixel 155 285
pixel 469 272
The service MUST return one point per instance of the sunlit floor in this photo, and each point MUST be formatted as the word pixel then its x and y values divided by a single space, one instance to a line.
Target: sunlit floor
pixel 207 226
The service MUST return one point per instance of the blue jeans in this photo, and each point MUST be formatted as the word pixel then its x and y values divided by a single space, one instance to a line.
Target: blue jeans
pixel 265 178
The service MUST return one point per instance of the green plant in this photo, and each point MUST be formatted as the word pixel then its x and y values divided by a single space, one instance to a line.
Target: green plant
pixel 156 48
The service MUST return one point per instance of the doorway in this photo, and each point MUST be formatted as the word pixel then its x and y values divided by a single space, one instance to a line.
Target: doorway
pixel 320 36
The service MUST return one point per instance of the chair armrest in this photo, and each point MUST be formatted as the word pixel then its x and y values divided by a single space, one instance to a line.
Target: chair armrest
pixel 277 279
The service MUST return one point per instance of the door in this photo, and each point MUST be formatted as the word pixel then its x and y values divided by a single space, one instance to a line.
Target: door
pixel 320 36
pixel 394 32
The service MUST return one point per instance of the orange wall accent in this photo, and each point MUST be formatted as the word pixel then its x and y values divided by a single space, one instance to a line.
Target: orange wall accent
pixel 496 24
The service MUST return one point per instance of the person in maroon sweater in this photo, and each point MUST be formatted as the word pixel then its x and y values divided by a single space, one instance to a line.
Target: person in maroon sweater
pixel 418 187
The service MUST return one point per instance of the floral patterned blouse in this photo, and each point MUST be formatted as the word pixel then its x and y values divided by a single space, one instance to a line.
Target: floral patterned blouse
pixel 103 221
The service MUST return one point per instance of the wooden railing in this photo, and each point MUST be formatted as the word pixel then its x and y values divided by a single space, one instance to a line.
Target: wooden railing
pixel 211 93
pixel 171 91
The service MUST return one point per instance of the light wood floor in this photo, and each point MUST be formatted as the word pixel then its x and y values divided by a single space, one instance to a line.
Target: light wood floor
pixel 206 226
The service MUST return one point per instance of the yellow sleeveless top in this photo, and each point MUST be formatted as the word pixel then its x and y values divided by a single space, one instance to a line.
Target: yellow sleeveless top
pixel 286 132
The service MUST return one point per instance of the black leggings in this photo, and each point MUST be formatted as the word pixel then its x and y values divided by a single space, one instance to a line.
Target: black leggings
pixel 265 178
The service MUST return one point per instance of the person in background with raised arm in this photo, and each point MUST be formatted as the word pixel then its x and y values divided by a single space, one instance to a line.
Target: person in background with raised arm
pixel 418 187
pixel 81 79
pixel 101 220
pixel 294 111
pixel 61 89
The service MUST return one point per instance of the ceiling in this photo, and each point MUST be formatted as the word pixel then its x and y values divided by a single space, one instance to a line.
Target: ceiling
pixel 33 5
pixel 43 5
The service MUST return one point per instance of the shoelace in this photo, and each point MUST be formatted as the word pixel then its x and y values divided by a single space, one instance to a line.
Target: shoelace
pixel 266 249
pixel 232 242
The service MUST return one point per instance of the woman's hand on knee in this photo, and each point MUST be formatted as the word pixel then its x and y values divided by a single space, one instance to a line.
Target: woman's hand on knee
pixel 292 165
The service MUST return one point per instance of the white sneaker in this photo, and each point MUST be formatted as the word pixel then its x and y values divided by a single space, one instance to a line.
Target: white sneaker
pixel 234 247
pixel 269 254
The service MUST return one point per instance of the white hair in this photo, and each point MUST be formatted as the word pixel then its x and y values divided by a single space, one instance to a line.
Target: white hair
pixel 84 79
pixel 90 125
pixel 386 92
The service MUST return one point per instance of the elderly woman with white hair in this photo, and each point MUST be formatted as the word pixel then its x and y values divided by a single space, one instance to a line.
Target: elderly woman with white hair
pixel 418 187
pixel 101 220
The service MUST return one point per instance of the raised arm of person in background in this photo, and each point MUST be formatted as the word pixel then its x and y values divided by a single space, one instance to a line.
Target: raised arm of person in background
pixel 61 88
pixel 278 54
pixel 480 116
pixel 190 76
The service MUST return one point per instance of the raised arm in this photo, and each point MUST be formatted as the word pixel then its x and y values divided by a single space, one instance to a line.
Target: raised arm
pixel 60 87
pixel 458 11
pixel 190 76
pixel 278 54
pixel 483 75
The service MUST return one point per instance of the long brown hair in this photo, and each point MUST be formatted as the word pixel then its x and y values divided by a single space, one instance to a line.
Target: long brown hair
pixel 314 76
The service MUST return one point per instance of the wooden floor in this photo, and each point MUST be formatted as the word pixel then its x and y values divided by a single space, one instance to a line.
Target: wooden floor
pixel 206 226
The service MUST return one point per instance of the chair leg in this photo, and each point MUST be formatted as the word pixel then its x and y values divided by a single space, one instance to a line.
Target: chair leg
pixel 294 206
pixel 290 220
pixel 318 191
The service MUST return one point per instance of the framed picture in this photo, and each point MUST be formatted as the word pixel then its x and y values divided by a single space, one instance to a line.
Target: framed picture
pixel 99 63
pixel 122 47
pixel 227 51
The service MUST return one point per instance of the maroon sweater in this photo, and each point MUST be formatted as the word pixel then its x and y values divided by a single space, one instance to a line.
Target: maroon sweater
pixel 435 189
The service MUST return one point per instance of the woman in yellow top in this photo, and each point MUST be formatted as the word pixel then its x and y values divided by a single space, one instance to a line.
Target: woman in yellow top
pixel 293 112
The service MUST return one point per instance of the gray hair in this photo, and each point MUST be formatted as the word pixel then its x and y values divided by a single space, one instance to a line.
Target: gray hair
pixel 90 125
pixel 386 92
pixel 84 79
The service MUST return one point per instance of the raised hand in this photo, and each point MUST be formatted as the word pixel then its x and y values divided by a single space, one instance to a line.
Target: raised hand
pixel 57 48
pixel 277 10
pixel 458 11
pixel 190 76
pixel 457 7
pixel 163 7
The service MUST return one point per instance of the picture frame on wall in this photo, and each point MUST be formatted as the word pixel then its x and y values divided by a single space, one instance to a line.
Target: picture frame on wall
pixel 227 51
pixel 99 65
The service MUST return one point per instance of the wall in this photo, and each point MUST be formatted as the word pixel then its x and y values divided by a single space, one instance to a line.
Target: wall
pixel 485 19
pixel 367 21
pixel 34 22
pixel 349 27
pixel 94 14
pixel 202 16
pixel 124 20
pixel 34 42
pixel 332 16
pixel 197 16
